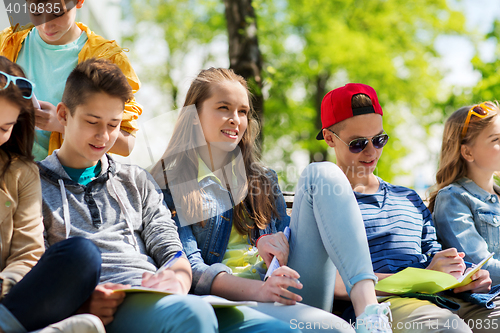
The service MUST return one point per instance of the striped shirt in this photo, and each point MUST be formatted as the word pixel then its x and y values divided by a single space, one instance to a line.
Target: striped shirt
pixel 399 228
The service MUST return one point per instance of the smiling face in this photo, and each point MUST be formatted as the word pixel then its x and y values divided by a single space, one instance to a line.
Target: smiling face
pixel 223 116
pixel 91 131
pixel 55 20
pixel 483 155
pixel 9 114
pixel 363 164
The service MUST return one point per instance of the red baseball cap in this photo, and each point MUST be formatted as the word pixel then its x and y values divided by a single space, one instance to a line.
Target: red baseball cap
pixel 336 105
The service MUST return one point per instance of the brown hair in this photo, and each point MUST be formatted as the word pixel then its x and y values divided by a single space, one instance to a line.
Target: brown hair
pixel 20 143
pixel 95 76
pixel 357 101
pixel 183 166
pixel 452 165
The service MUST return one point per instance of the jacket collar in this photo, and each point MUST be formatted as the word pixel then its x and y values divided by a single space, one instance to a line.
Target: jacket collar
pixel 471 187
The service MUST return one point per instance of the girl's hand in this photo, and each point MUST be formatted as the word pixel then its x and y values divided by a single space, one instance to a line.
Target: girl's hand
pixel 166 280
pixel 448 261
pixel 46 118
pixel 275 288
pixel 481 283
pixel 274 245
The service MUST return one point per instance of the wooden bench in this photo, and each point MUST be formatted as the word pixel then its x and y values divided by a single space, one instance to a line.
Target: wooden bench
pixel 289 198
pixel 289 201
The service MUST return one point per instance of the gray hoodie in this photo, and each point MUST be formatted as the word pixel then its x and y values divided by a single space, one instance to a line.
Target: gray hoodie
pixel 121 211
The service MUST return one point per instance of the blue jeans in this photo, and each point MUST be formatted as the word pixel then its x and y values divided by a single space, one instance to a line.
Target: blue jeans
pixel 244 319
pixel 328 233
pixel 61 281
pixel 155 313
pixel 302 317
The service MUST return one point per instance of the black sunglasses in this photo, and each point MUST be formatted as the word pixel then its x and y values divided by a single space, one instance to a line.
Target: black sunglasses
pixel 24 85
pixel 357 145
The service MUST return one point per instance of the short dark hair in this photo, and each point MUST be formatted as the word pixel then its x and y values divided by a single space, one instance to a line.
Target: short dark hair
pixel 95 76
pixel 357 101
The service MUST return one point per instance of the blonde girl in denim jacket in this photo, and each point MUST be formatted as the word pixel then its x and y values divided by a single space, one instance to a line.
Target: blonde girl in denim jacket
pixel 231 216
pixel 465 205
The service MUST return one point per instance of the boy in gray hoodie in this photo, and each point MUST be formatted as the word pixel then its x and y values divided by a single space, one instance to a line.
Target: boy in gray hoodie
pixel 118 207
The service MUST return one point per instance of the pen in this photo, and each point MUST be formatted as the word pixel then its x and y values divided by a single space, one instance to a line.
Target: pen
pixel 469 264
pixel 170 262
pixel 275 263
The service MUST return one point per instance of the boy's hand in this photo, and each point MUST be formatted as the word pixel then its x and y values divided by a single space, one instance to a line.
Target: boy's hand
pixel 104 301
pixel 448 261
pixel 481 283
pixel 274 245
pixel 46 118
pixel 166 280
pixel 275 288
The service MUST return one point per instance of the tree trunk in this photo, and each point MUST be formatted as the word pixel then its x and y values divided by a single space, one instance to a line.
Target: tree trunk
pixel 321 81
pixel 244 53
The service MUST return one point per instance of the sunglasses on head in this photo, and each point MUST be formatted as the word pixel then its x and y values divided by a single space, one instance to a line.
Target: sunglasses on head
pixel 480 111
pixel 357 145
pixel 25 85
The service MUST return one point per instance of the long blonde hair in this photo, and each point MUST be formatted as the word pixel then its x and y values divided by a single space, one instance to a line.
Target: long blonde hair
pixel 452 165
pixel 181 158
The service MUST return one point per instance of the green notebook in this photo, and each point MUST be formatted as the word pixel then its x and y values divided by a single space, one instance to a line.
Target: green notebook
pixel 418 280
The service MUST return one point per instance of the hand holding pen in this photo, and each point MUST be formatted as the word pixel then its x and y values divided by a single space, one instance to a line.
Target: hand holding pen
pixel 169 263
pixel 274 246
pixel 164 279
pixel 274 262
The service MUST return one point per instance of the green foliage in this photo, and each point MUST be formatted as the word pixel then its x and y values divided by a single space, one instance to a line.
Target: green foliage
pixel 488 88
pixel 387 44
pixel 186 24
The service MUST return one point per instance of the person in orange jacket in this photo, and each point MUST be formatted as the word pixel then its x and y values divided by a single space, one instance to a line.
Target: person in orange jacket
pixel 48 52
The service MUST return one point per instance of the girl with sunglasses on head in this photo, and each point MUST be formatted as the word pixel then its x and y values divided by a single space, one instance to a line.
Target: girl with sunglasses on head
pixel 465 204
pixel 232 217
pixel 34 295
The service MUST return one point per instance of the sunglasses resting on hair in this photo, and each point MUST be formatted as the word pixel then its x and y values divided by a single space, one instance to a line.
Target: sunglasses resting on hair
pixel 480 111
pixel 357 145
pixel 25 85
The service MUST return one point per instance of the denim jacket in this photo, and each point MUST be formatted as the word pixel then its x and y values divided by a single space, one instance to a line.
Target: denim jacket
pixel 205 246
pixel 468 218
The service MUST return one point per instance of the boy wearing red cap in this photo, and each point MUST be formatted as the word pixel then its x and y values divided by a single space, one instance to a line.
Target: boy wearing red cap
pixel 397 223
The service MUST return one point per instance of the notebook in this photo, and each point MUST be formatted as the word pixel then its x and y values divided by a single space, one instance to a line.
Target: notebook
pixel 418 280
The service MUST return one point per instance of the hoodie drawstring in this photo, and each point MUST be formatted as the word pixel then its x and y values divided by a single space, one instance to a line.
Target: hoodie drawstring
pixel 125 211
pixel 67 226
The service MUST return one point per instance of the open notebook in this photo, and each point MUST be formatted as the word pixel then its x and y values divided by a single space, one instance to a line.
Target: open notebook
pixel 215 301
pixel 418 280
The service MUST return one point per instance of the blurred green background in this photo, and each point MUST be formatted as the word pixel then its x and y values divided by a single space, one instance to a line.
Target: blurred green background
pixel 424 58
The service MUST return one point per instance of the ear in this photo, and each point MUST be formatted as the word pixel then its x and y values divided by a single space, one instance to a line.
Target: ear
pixel 328 136
pixel 466 153
pixel 62 113
pixel 79 4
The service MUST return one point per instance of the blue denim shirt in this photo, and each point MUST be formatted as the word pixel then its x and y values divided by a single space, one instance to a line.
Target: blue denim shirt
pixel 468 218
pixel 205 246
